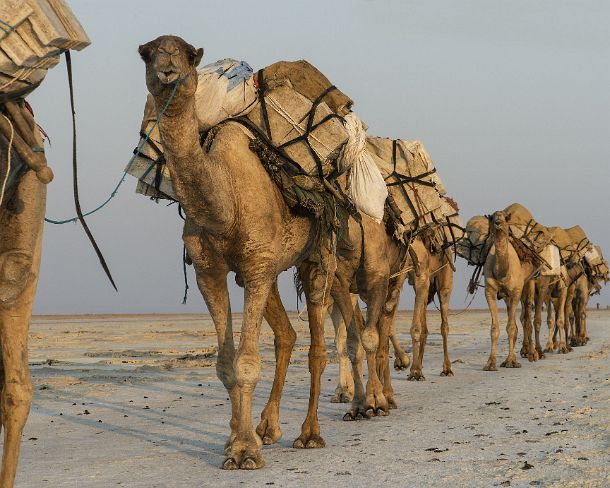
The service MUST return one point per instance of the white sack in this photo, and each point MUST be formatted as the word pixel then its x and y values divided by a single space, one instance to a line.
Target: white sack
pixel 224 89
pixel 551 255
pixel 366 186
pixel 593 257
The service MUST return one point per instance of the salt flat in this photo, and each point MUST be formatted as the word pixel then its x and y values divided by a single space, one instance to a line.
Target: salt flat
pixel 134 401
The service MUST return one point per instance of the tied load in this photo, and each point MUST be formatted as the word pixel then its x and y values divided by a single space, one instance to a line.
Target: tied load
pixel 303 118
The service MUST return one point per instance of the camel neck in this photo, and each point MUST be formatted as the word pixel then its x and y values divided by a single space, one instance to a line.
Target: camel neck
pixel 201 184
pixel 501 245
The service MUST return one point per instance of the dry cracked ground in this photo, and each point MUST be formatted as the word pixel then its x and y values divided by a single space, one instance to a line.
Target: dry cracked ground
pixel 134 401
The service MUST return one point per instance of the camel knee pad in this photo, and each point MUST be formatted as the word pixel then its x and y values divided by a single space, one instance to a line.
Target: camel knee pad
pixel 15 274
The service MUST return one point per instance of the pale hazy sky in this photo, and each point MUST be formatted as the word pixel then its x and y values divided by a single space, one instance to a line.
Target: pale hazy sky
pixel 511 99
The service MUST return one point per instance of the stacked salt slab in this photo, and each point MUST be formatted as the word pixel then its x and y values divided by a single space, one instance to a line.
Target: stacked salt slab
pixel 33 34
pixel 415 187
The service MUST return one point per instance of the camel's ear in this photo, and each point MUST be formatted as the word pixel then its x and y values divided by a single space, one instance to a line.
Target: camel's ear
pixel 195 56
pixel 508 216
pixel 146 50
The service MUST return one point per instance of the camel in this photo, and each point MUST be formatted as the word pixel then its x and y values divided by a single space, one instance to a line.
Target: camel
pixel 22 210
pixel 237 220
pixel 440 269
pixel 507 277
pixel 551 291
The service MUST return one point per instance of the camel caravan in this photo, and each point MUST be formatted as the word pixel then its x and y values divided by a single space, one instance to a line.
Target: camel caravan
pixel 273 170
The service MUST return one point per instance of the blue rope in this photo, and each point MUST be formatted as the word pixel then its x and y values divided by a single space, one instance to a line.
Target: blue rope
pixel 177 83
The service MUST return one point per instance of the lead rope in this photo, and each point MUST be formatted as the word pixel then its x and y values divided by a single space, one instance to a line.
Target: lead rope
pixel 177 83
pixel 79 212
pixel 80 215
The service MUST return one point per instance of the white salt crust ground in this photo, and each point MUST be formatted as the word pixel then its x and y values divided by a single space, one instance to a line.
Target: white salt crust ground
pixel 134 401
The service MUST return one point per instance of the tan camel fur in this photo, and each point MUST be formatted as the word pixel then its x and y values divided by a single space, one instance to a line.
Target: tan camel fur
pixel 21 225
pixel 237 220
pixel 505 277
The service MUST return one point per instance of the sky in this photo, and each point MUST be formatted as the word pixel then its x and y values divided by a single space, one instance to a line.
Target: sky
pixel 510 98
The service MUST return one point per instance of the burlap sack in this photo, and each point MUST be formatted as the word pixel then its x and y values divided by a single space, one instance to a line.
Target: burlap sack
pixel 572 243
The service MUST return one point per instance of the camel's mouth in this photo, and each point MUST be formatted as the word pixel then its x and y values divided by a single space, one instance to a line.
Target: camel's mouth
pixel 168 76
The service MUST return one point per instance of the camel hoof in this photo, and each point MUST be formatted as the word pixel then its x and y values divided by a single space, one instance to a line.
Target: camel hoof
pixel 532 357
pixel 252 463
pixel 416 377
pixel 401 363
pixel 230 464
pixel 311 442
pixel 356 414
pixel 268 433
pixel 342 397
pixel 540 353
pixel 446 372
pixel 523 354
pixel 392 405
pixel 490 366
pixel 513 363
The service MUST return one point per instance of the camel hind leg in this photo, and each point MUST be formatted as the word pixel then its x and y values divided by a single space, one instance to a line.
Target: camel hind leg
pixel 444 280
pixel 269 427
pixel 344 392
pixel 527 299
pixel 317 283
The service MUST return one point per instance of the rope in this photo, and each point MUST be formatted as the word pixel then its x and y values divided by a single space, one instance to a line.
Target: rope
pixel 295 125
pixel 6 27
pixel 79 212
pixel 8 157
pixel 178 82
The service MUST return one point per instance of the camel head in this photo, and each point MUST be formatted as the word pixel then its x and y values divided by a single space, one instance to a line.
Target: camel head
pixel 169 59
pixel 499 222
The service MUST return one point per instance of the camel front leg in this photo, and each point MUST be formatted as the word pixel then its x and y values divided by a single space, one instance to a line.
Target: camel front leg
pixel 245 450
pixel 21 224
pixel 491 295
pixel 344 392
pixel 511 329
pixel 285 336
pixel 212 282
pixel 560 312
